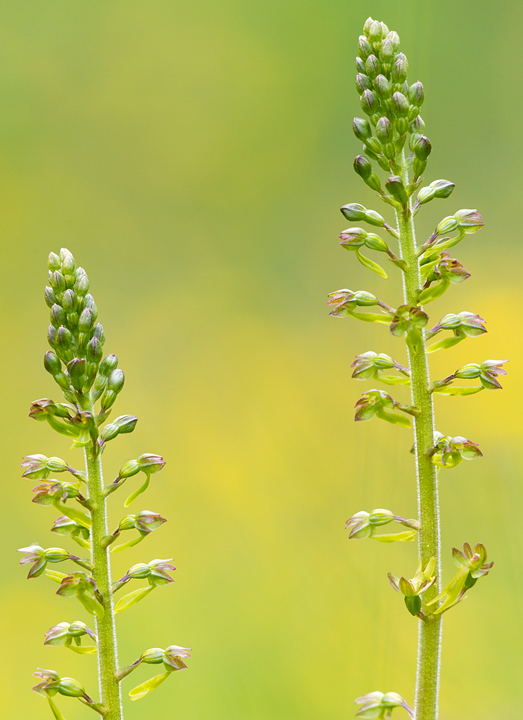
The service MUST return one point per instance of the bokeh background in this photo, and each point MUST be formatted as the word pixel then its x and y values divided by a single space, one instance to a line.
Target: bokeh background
pixel 193 156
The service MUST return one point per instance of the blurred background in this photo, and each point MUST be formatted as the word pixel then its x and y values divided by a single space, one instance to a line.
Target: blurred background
pixel 194 156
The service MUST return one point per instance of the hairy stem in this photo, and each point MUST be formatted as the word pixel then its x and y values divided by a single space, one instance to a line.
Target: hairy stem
pixel 430 627
pixel 110 694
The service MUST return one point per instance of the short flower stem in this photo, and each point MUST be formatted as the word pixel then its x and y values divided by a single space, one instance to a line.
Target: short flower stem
pixel 110 694
pixel 429 641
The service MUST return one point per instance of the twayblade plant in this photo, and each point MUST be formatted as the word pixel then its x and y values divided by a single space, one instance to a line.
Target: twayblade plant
pixel 90 384
pixel 393 137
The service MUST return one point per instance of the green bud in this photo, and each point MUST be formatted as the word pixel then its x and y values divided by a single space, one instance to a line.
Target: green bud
pixel 363 82
pixel 58 316
pixel 382 86
pixel 153 656
pixel 150 463
pixel 374 218
pixel 76 370
pixel 361 129
pixel 82 285
pixel 360 65
pixel 448 224
pixel 422 148
pixel 116 381
pixel 129 469
pixel 53 262
pixel 369 102
pixel 402 125
pixel 384 131
pixel 94 350
pixel 364 47
pixel 416 94
pixel 108 364
pixel 394 38
pixel 399 69
pixel 139 571
pixel 98 333
pixel 52 363
pixel 374 242
pixel 68 301
pixel 353 212
pixel 372 66
pixel 418 167
pixel 443 188
pixel 64 338
pixel 363 167
pixel 68 263
pixel 86 320
pixel 71 688
pixel 400 104
pixel 395 187
pixel 374 182
pixel 57 281
pixel 375 31
pixel 373 147
pixel 50 297
pixel 56 555
pixel 386 51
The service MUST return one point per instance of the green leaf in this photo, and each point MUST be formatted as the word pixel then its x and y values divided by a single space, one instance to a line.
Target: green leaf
pixel 395 537
pixel 83 649
pixel 91 605
pixel 148 686
pixel 370 264
pixel 73 514
pixel 371 317
pixel 56 712
pixel 433 292
pixel 55 575
pixel 135 494
pixel 128 544
pixel 444 344
pixel 394 379
pixel 393 418
pixel 449 390
pixel 132 598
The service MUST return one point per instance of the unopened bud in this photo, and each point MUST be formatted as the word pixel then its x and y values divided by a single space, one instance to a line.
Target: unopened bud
pixel 364 47
pixel 395 187
pixel 361 129
pixel 57 281
pixel 400 104
pixel 399 69
pixel 372 66
pixel 384 131
pixel 53 262
pixel 369 102
pixel 422 148
pixel 363 82
pixel 108 364
pixel 382 86
pixel 363 167
pixel 416 94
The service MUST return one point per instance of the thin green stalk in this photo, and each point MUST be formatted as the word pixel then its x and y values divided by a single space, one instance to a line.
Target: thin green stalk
pixel 430 627
pixel 110 693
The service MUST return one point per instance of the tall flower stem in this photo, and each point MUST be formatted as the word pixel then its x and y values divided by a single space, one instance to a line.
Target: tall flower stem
pixel 110 693
pixel 430 627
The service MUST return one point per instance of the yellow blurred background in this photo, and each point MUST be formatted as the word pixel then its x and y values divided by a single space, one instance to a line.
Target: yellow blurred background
pixel 193 157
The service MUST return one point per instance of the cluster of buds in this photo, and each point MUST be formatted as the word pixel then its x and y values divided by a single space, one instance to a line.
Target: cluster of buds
pixel 449 451
pixel 437 189
pixel 486 372
pixel 413 589
pixel 392 106
pixel 464 324
pixel 363 525
pixel 119 426
pixel 381 404
pixel 471 565
pixel 156 572
pixel 70 636
pixel 379 706
pixel 370 365
pixel 75 336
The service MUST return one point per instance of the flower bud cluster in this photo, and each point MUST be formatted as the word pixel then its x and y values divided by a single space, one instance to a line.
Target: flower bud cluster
pixel 54 491
pixel 450 451
pixel 486 372
pixel 471 565
pixel 84 588
pixel 79 533
pixel 464 324
pixel 437 189
pixel 370 365
pixel 145 522
pixel 119 426
pixel 75 336
pixel 391 105
pixel 346 301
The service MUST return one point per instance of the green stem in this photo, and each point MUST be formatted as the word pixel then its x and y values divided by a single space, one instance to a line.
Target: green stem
pixel 430 627
pixel 110 694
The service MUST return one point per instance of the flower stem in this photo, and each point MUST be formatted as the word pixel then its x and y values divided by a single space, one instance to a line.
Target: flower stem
pixel 110 694
pixel 430 627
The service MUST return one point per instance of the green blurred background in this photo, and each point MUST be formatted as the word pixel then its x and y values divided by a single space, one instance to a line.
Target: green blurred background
pixel 193 156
